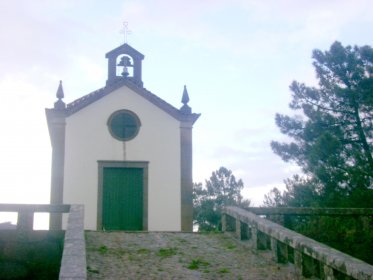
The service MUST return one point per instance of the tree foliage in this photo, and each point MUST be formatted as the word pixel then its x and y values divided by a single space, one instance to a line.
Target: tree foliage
pixel 332 132
pixel 331 140
pixel 299 192
pixel 222 189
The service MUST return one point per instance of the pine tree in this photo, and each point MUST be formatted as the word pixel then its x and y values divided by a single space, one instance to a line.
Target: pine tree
pixel 332 134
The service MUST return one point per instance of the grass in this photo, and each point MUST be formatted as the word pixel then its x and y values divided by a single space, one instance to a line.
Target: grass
pixel 143 251
pixel 223 270
pixel 167 252
pixel 103 249
pixel 181 240
pixel 92 270
pixel 231 246
pixel 197 264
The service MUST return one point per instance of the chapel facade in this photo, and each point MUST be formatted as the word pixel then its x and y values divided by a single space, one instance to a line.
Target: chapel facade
pixel 123 152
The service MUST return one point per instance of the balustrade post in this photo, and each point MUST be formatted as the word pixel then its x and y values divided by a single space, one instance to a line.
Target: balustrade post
pixel 259 239
pixel 25 224
pixel 224 222
pixel 238 228
pixel 25 221
pixel 298 262
pixel 254 237
pixel 274 249
pixel 328 273
pixel 279 251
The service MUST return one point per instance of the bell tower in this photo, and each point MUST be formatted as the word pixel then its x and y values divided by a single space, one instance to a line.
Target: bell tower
pixel 124 63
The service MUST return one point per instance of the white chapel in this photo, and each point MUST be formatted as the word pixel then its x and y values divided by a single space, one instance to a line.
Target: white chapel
pixel 124 153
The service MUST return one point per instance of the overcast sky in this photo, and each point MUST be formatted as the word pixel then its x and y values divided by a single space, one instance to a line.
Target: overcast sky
pixel 237 58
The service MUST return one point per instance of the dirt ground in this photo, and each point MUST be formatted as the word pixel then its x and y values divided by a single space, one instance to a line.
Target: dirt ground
pixel 153 255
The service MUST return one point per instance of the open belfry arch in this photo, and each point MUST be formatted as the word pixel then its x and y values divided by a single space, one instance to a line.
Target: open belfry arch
pixel 123 152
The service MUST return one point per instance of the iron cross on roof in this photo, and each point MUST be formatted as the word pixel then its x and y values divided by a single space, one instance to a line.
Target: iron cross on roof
pixel 125 31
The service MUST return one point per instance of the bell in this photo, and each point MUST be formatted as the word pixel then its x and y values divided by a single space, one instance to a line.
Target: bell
pixel 124 61
pixel 125 71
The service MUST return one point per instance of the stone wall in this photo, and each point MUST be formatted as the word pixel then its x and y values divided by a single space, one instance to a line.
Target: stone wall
pixel 36 255
pixel 41 254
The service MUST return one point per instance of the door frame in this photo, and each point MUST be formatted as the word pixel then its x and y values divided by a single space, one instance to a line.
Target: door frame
pixel 102 164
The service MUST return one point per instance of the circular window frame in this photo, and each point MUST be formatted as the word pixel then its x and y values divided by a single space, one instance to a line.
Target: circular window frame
pixel 131 114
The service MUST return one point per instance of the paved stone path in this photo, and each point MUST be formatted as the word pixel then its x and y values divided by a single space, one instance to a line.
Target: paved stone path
pixel 119 255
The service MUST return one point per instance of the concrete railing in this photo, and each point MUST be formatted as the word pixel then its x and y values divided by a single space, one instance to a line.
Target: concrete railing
pixel 25 221
pixel 309 211
pixel 311 258
pixel 285 215
pixel 73 263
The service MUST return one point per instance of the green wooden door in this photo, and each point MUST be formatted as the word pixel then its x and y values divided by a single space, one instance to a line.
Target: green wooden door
pixel 122 199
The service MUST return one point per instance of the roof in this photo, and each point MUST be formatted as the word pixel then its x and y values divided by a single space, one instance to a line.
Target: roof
pixel 92 97
pixel 127 49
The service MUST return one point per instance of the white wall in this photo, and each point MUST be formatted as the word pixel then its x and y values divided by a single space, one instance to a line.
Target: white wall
pixel 89 140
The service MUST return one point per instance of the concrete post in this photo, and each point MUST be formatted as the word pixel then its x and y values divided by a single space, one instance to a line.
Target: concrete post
pixel 279 251
pixel 223 222
pixel 328 273
pixel 254 236
pixel 238 229
pixel 298 262
pixel 274 249
pixel 25 221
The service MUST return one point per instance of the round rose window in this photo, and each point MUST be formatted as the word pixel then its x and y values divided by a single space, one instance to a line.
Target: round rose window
pixel 124 125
